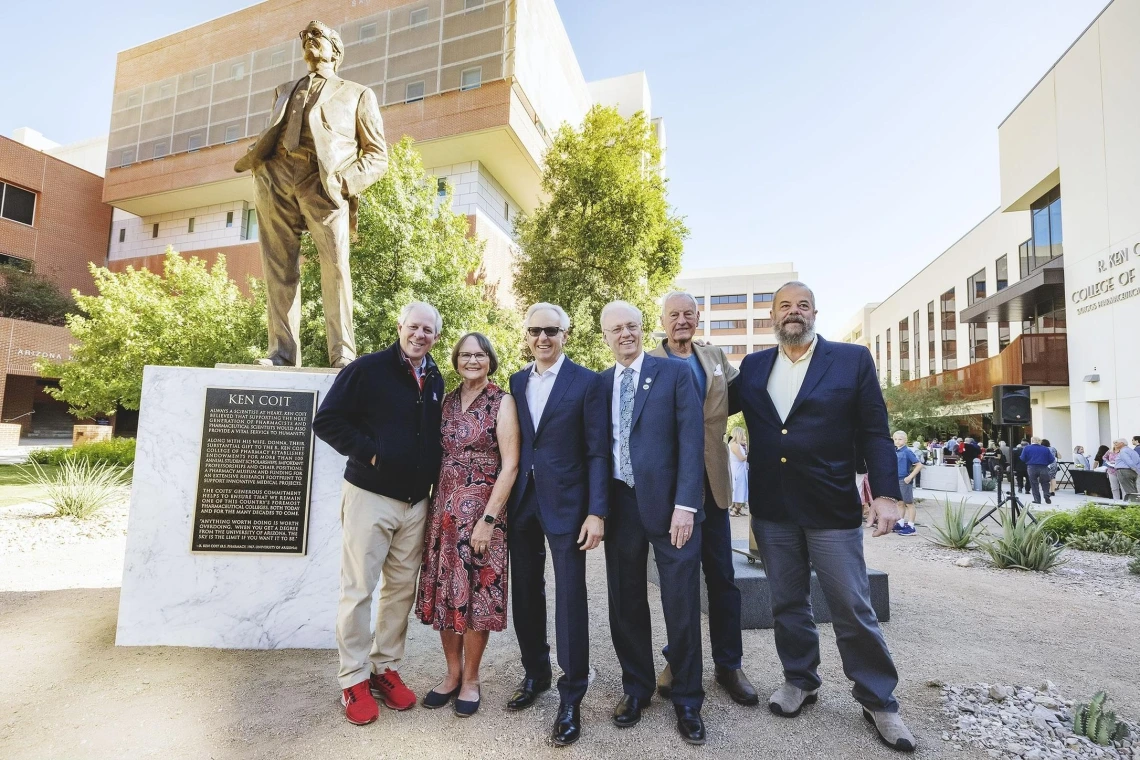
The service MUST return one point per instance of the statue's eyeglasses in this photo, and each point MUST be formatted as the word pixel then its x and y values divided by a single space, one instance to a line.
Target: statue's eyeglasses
pixel 534 332
pixel 307 33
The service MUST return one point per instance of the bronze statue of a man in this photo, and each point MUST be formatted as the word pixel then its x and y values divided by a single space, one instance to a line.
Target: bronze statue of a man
pixel 323 147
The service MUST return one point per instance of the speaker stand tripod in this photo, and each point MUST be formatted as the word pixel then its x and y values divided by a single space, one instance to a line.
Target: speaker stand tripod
pixel 1015 505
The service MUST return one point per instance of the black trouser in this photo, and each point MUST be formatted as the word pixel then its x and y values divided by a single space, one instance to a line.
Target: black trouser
pixel 526 544
pixel 1021 476
pixel 1039 478
pixel 679 571
pixel 720 581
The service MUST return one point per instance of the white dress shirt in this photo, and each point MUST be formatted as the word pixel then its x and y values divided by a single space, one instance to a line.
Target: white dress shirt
pixel 787 377
pixel 615 413
pixel 538 387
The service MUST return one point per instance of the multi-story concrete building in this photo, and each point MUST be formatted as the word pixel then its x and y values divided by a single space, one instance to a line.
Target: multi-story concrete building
pixel 1057 259
pixel 52 222
pixel 736 304
pixel 479 84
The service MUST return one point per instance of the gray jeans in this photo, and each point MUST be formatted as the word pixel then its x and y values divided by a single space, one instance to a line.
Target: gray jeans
pixel 1039 478
pixel 1127 480
pixel 790 553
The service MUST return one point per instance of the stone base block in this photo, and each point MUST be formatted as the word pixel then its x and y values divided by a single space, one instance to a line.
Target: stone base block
pixel 756 599
pixel 9 435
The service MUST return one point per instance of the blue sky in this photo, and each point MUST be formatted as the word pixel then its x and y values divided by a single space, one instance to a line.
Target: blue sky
pixel 856 139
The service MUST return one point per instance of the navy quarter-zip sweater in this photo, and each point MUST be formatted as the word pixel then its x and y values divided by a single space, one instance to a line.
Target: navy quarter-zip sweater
pixel 376 408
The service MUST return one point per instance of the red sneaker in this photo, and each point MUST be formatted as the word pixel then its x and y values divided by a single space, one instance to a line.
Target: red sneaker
pixel 359 706
pixel 389 688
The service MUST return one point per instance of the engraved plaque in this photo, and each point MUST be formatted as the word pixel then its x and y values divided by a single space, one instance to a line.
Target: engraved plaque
pixel 255 471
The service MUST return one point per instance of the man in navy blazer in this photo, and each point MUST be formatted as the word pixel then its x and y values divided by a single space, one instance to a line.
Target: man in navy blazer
pixel 813 406
pixel 560 498
pixel 657 444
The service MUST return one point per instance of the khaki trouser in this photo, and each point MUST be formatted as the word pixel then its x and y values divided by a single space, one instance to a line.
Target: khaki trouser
pixel 382 538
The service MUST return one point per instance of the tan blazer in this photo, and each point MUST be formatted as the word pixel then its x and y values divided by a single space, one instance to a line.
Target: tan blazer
pixel 348 135
pixel 719 373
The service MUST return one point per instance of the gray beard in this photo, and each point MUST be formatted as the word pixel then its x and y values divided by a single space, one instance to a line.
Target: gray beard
pixel 785 338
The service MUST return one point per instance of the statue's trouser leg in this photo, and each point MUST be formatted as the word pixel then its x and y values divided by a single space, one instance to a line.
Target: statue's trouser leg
pixel 280 223
pixel 328 224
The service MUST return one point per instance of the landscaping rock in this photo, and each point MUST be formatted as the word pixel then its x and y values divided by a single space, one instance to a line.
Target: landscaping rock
pixel 964 562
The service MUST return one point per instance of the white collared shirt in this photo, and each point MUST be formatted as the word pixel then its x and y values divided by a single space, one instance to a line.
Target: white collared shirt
pixel 538 388
pixel 787 377
pixel 615 412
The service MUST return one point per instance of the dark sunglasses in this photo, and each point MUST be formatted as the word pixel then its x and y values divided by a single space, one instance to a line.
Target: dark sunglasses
pixel 534 332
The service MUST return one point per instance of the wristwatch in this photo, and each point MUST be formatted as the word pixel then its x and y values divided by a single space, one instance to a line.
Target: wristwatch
pixel 489 519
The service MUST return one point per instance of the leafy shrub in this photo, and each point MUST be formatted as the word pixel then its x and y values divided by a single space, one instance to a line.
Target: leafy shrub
pixel 79 488
pixel 989 484
pixel 1060 524
pixel 1092 721
pixel 1105 543
pixel 958 530
pixel 119 452
pixel 1093 518
pixel 1134 565
pixel 1023 545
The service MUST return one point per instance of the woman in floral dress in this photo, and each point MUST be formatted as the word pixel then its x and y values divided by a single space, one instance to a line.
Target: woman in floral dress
pixel 463 584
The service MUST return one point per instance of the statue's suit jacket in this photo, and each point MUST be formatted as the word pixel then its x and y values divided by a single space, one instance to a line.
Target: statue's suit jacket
pixel 348 134
pixel 719 374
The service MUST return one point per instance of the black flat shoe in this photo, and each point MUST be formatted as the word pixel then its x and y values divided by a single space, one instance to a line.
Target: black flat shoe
pixel 567 725
pixel 435 699
pixel 739 688
pixel 465 708
pixel 689 724
pixel 628 711
pixel 527 692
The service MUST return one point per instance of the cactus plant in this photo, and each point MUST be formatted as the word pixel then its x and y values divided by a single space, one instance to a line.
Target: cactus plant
pixel 1094 722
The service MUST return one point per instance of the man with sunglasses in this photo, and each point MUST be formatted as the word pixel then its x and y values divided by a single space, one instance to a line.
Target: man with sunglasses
pixel 560 498
pixel 323 146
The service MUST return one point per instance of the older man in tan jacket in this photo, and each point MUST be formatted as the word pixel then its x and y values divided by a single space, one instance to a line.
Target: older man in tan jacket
pixel 712 373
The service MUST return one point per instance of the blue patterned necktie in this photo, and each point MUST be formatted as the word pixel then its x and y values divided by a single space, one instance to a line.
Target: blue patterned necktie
pixel 625 466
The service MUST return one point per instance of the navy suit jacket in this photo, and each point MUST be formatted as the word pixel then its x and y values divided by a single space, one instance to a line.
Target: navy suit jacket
pixel 569 453
pixel 802 470
pixel 666 442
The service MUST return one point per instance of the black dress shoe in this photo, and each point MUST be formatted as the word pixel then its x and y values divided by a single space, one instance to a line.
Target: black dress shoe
pixel 527 692
pixel 689 724
pixel 567 724
pixel 628 711
pixel 737 685
pixel 465 708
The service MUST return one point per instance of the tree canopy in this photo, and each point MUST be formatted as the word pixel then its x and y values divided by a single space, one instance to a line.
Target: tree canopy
pixel 410 246
pixel 190 316
pixel 932 412
pixel 607 231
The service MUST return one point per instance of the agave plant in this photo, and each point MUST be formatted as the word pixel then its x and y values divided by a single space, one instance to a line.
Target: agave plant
pixel 1105 543
pixel 79 488
pixel 1094 722
pixel 959 529
pixel 1023 545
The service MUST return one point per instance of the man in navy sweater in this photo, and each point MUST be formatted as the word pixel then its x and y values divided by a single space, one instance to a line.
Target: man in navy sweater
pixel 383 412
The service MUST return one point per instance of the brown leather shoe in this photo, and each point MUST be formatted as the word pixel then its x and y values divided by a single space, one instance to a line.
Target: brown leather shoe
pixel 737 685
pixel 665 682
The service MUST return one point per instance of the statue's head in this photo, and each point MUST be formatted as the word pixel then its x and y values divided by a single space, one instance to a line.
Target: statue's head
pixel 321 44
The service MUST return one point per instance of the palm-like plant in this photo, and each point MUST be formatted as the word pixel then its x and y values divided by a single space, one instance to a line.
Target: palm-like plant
pixel 1024 545
pixel 79 488
pixel 959 529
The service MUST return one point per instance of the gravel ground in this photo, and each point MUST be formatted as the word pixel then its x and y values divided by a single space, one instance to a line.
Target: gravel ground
pixel 68 692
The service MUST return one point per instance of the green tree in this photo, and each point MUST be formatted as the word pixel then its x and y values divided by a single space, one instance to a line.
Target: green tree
pixel 32 297
pixel 411 246
pixel 926 413
pixel 607 231
pixel 190 316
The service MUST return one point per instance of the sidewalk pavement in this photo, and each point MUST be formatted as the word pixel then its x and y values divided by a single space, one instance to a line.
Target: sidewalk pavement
pixel 932 502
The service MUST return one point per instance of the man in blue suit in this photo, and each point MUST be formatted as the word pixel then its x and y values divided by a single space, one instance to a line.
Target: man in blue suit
pixel 656 498
pixel 560 498
pixel 810 405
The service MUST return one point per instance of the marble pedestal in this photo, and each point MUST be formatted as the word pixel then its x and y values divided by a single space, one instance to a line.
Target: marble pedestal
pixel 172 597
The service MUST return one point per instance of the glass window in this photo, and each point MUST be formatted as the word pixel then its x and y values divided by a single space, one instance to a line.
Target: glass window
pixel 195 142
pixel 734 299
pixel 122 234
pixel 471 78
pixel 888 356
pixel 762 324
pixel 233 132
pixel 878 364
pixel 250 231
pixel 472 4
pixel 159 150
pixel 237 71
pixel 1045 243
pixel 506 210
pixel 1001 279
pixel 18 204
pixel 979 342
pixel 1003 335
pixel 229 219
pixel 976 287
pixel 729 324
pixel 190 226
pixel 367 31
pixel 125 158
pixel 931 339
pixel 413 92
pixel 154 230
pixel 904 351
pixel 441 186
pixel 917 326
pixel 418 16
pixel 735 350
pixel 15 261
pixel 701 301
pixel 763 297
pixel 949 331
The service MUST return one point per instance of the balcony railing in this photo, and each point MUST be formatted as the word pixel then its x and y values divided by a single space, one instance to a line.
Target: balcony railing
pixel 1032 359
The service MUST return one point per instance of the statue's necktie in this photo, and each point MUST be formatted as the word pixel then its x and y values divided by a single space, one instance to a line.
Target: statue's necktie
pixel 295 115
pixel 625 466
